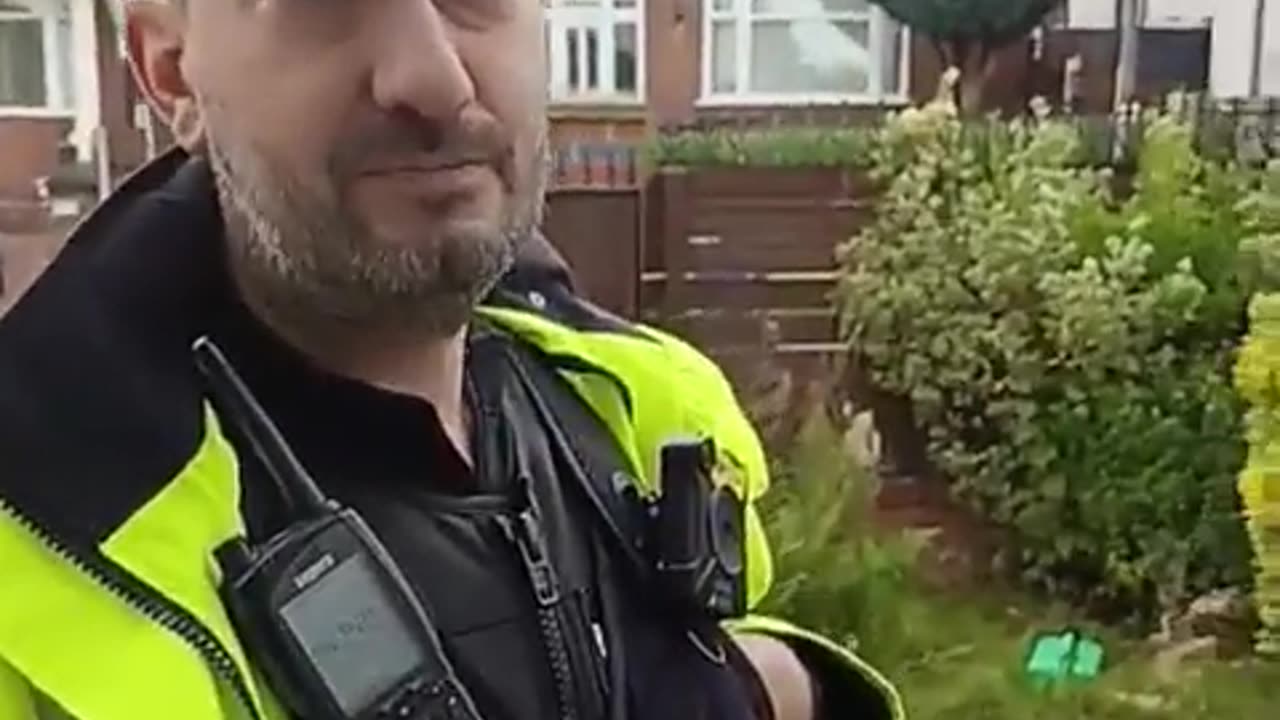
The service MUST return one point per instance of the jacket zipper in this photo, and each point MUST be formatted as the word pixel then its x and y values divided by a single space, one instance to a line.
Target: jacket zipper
pixel 524 530
pixel 587 633
pixel 155 607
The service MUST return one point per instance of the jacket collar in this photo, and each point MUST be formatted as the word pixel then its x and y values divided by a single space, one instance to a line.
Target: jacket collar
pixel 97 399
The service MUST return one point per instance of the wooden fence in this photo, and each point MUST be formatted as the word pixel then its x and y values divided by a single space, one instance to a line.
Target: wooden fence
pixel 600 232
pixel 740 261
pixel 743 261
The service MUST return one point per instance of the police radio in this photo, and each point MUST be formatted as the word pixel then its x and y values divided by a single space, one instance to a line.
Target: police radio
pixel 322 609
pixel 698 531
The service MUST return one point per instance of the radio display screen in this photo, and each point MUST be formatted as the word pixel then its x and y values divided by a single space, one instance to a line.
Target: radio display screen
pixel 357 640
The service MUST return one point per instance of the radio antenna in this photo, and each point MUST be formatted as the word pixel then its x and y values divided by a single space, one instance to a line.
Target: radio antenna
pixel 301 495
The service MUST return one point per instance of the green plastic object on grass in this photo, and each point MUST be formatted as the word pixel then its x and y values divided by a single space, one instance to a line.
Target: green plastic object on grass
pixel 1064 656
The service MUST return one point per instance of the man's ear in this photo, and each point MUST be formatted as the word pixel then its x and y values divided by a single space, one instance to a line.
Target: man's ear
pixel 155 33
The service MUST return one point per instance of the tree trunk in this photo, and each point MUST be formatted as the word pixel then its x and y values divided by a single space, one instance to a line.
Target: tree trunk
pixel 976 67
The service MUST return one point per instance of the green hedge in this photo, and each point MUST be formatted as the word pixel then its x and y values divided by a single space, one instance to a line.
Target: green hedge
pixel 775 147
pixel 1069 353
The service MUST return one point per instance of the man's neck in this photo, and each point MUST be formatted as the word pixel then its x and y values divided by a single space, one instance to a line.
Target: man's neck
pixel 429 368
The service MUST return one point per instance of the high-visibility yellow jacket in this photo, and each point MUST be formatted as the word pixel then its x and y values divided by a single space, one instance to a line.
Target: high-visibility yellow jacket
pixel 117 483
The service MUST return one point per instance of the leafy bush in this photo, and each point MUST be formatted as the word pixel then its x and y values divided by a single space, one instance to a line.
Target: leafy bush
pixel 1256 377
pixel 777 147
pixel 1068 352
pixel 832 573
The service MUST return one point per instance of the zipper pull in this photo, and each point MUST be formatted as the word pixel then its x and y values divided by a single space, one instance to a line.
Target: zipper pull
pixel 602 644
pixel 525 530
pixel 533 548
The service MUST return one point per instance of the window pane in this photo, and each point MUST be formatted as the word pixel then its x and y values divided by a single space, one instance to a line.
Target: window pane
pixel 546 55
pixel 891 49
pixel 624 4
pixel 809 7
pixel 798 56
pixel 22 64
pixel 625 56
pixel 66 73
pixel 722 5
pixel 593 59
pixel 575 73
pixel 724 57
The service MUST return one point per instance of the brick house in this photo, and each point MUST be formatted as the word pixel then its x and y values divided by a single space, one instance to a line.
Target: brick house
pixel 66 120
pixel 48 110
pixel 624 68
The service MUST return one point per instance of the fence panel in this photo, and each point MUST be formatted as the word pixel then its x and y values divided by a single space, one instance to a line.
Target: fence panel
pixel 748 262
pixel 599 232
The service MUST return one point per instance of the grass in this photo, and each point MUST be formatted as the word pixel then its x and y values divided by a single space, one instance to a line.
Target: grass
pixel 959 656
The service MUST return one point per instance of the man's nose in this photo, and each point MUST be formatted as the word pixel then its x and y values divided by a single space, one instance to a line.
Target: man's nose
pixel 418 67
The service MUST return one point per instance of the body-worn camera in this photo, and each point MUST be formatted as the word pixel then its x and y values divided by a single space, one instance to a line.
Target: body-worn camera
pixel 689 540
pixel 698 531
pixel 322 609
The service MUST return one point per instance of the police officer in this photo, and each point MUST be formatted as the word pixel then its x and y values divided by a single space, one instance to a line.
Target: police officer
pixel 350 218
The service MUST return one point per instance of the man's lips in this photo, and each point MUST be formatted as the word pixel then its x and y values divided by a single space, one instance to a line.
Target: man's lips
pixel 436 179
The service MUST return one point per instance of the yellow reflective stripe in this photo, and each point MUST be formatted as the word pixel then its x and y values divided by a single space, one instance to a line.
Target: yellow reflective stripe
pixel 704 392
pixel 168 542
pixel 759 558
pixel 602 397
pixel 673 388
pixel 784 630
pixel 98 657
pixel 95 655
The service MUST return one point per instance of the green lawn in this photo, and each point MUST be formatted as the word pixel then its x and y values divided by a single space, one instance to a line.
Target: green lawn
pixel 963 661
pixel 960 656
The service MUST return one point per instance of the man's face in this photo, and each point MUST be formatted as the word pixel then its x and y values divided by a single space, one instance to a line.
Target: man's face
pixel 376 159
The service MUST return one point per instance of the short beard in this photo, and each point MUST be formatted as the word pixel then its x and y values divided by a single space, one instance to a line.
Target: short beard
pixel 309 264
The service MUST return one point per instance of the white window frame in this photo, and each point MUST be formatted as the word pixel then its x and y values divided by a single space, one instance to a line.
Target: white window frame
pixel 1152 14
pixel 59 97
pixel 744 18
pixel 603 17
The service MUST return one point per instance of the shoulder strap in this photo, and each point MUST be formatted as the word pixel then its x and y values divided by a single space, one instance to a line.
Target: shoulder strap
pixel 589 452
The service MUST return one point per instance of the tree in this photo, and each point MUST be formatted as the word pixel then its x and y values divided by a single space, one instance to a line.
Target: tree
pixel 967 33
